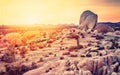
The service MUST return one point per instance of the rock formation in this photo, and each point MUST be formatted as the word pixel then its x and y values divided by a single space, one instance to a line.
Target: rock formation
pixel 103 28
pixel 88 21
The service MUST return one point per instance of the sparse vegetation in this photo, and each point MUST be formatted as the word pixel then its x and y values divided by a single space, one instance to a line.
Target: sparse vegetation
pixel 61 51
pixel 9 56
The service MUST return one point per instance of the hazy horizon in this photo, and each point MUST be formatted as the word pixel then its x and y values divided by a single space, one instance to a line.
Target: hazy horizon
pixel 16 12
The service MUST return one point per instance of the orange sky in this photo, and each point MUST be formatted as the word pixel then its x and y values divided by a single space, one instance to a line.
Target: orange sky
pixel 56 11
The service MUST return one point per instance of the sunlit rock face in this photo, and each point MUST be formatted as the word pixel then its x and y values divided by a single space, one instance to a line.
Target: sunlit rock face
pixel 88 21
pixel 102 28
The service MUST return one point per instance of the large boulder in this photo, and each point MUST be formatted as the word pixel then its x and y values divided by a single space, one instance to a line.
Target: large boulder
pixel 88 21
pixel 103 28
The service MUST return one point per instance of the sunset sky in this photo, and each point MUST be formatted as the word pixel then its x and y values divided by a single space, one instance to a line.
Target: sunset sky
pixel 56 11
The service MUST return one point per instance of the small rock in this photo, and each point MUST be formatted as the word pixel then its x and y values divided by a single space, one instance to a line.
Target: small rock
pixel 69 73
pixel 88 55
pixel 104 70
pixel 101 48
pixel 66 53
pixel 113 73
pixel 50 53
pixel 99 37
pixel 102 53
pixel 117 32
pixel 41 60
pixel 61 58
pixel 73 54
pixel 93 54
pixel 82 55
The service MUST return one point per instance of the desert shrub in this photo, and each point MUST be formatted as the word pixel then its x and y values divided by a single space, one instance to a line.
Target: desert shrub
pixel 74 36
pixel 11 70
pixel 16 69
pixel 23 51
pixel 13 38
pixel 29 35
pixel 9 56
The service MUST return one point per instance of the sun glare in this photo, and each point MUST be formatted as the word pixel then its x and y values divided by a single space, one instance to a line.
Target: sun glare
pixel 31 20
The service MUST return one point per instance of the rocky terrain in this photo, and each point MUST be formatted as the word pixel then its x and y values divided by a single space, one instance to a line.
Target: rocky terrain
pixel 65 50
pixel 116 26
pixel 95 54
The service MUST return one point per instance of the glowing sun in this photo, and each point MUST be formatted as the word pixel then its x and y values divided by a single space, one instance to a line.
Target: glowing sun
pixel 31 19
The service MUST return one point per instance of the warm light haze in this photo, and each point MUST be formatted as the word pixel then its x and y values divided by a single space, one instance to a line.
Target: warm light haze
pixel 56 11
